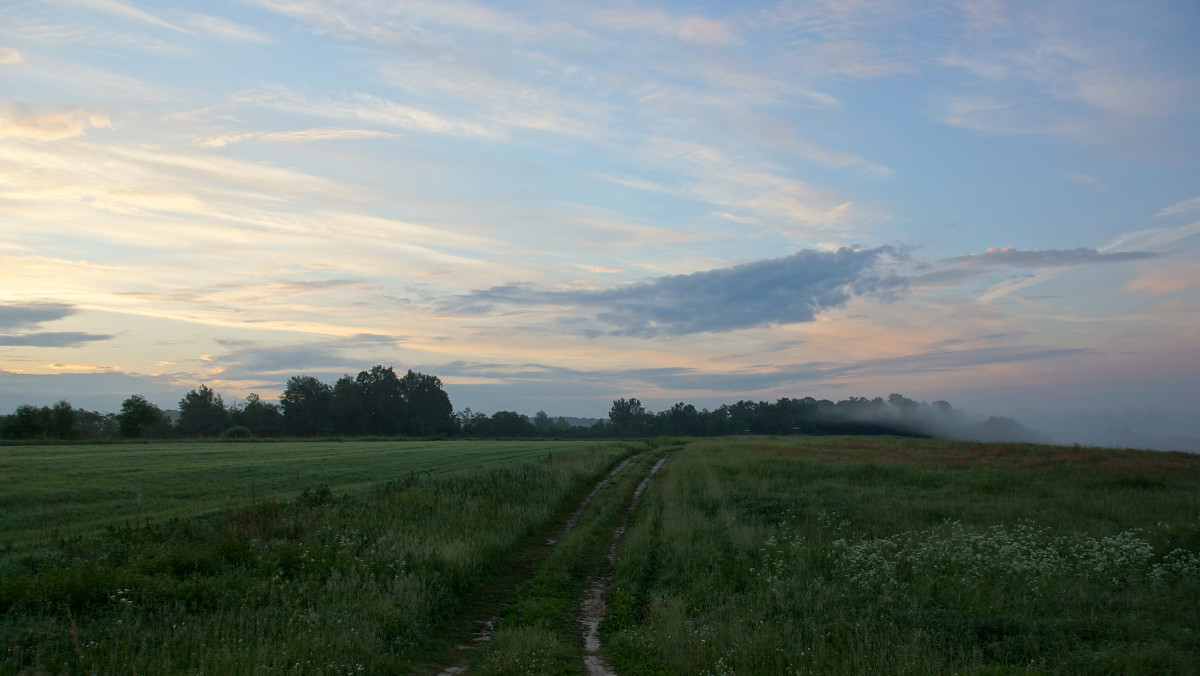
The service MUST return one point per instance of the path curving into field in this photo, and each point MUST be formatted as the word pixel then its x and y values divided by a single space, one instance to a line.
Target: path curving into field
pixel 574 520
pixel 487 626
pixel 593 609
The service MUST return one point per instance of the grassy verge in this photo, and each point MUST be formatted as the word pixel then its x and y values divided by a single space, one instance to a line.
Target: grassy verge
pixel 853 555
pixel 321 583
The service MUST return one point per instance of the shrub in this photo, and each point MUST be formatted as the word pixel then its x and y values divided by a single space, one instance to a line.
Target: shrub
pixel 238 432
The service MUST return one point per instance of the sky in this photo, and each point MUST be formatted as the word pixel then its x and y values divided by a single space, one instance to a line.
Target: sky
pixel 550 205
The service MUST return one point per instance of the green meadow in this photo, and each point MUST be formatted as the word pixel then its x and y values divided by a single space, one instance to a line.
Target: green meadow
pixel 49 492
pixel 875 555
pixel 745 555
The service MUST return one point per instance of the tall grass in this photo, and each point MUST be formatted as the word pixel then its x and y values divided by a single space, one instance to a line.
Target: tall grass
pixel 910 556
pixel 321 583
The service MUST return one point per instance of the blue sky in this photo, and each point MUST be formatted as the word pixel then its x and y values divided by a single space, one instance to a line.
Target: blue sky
pixel 552 205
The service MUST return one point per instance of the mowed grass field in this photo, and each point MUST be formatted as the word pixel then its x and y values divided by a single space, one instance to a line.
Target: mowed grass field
pixel 747 555
pixel 49 492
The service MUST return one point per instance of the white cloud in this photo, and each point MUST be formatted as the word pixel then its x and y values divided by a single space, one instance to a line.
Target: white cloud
pixel 18 121
pixel 1181 207
pixel 10 55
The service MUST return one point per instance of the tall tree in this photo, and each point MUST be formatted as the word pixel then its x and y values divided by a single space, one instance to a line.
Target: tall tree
pixel 349 414
pixel 306 406
pixel 383 401
pixel 262 418
pixel 427 406
pixel 628 416
pixel 202 413
pixel 138 417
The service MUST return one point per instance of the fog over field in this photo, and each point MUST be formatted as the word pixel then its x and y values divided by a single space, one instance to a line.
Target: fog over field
pixel 553 206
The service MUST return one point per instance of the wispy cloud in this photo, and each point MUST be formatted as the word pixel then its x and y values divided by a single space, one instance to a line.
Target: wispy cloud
pixel 1047 258
pixel 52 339
pixel 1181 207
pixel 297 136
pixel 692 28
pixel 1087 179
pixel 18 121
pixel 1048 69
pixel 746 381
pixel 10 55
pixel 258 360
pixel 125 11
pixel 1166 280
pixel 367 108
pixel 228 30
pixel 776 291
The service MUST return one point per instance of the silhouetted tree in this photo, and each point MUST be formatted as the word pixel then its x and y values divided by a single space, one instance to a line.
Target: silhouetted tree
pixel 508 424
pixel 306 404
pixel 202 413
pixel 27 422
pixel 349 413
pixel 138 417
pixel 262 418
pixel 383 400
pixel 427 408
pixel 628 416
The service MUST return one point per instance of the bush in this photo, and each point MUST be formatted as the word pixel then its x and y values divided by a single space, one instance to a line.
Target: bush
pixel 238 432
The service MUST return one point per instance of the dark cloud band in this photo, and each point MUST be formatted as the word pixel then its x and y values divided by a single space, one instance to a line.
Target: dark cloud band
pixel 786 290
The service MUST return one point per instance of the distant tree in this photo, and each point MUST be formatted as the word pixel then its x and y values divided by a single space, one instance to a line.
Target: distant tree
pixel 28 422
pixel 262 418
pixel 509 424
pixel 543 423
pixel 680 420
pixel 470 423
pixel 138 417
pixel 306 404
pixel 628 416
pixel 349 413
pixel 95 425
pixel 383 401
pixel 63 421
pixel 202 413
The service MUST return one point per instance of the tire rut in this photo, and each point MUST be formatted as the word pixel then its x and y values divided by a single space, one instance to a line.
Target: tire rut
pixel 593 609
pixel 487 626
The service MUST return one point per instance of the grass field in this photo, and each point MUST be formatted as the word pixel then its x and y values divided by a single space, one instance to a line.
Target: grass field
pixel 323 582
pixel 48 492
pixel 854 555
pixel 748 555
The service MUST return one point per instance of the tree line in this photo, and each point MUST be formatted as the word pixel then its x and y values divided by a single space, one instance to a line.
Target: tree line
pixel 897 415
pixel 380 403
pixel 376 402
